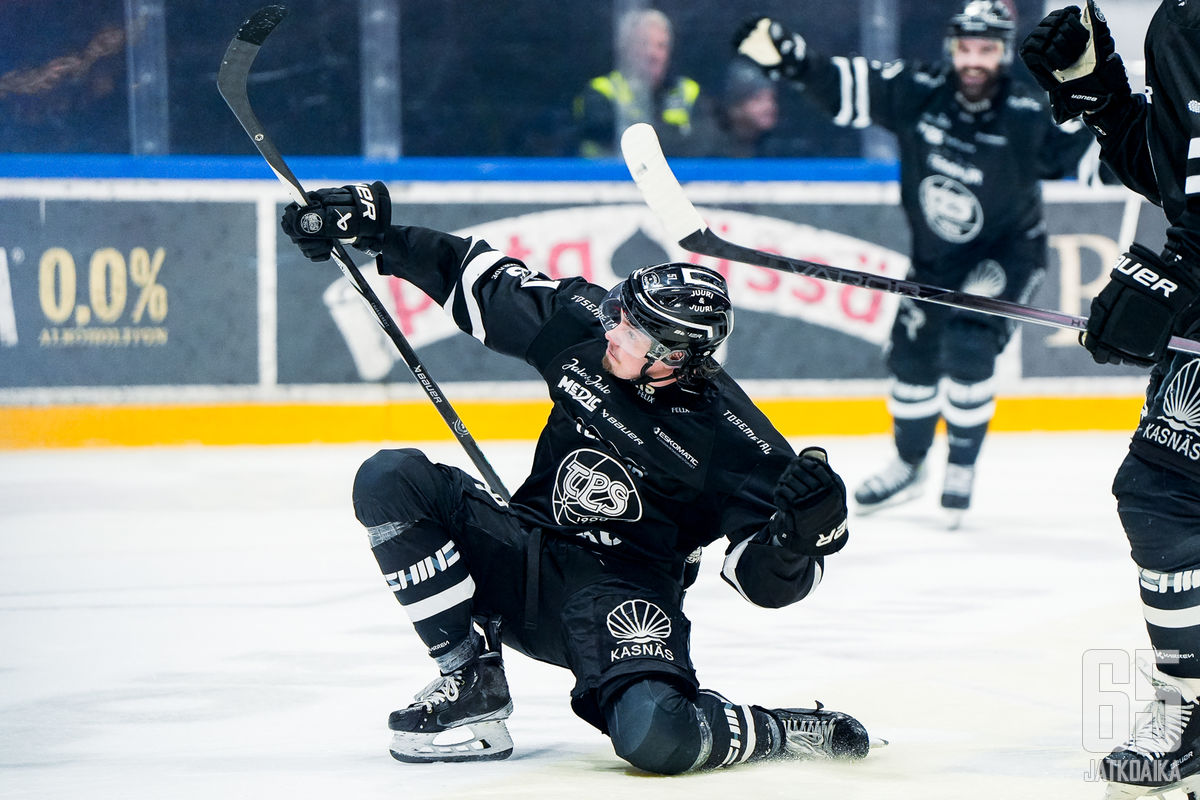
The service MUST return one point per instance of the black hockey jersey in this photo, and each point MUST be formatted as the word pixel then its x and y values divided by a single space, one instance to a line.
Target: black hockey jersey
pixel 1152 143
pixel 636 473
pixel 969 176
pixel 1154 147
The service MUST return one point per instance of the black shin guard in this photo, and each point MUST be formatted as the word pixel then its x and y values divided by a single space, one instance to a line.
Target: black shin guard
pixel 423 567
pixel 740 734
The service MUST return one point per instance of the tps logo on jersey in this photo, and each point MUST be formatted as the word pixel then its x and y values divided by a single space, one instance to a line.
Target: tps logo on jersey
pixel 1181 413
pixel 592 487
pixel 952 210
pixel 641 629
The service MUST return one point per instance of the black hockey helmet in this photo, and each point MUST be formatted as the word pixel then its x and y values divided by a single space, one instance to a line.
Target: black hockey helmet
pixel 684 309
pixel 984 19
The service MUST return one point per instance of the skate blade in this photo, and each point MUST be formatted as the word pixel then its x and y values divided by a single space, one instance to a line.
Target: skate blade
pixel 899 498
pixel 953 517
pixel 481 741
pixel 1188 787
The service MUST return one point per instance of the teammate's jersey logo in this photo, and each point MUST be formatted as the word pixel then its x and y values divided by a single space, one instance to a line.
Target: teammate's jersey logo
pixel 592 487
pixel 1177 427
pixel 951 210
pixel 1181 404
pixel 986 279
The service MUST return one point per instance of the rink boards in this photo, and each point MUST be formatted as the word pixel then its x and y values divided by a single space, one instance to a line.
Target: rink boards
pixel 169 311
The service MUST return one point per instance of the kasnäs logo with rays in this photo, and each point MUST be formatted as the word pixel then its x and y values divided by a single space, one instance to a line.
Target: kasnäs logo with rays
pixel 641 629
pixel 1179 430
pixel 1181 405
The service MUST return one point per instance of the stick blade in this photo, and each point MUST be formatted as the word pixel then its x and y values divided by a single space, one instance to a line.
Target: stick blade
pixel 657 183
pixel 256 29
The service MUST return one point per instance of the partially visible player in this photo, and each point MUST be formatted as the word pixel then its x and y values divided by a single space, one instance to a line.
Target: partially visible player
pixel 974 147
pixel 1152 143
pixel 650 453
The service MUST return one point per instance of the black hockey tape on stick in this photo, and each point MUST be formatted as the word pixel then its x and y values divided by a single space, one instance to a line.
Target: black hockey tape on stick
pixel 665 197
pixel 231 82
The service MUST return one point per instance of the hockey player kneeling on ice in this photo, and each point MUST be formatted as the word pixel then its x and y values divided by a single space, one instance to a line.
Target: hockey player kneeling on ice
pixel 650 453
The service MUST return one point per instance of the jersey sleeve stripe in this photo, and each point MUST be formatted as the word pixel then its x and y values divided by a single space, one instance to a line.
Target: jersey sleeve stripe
pixel 1191 184
pixel 472 270
pixel 862 94
pixel 846 112
pixel 729 568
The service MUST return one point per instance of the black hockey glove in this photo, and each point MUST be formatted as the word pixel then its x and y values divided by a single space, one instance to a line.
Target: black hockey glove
pixel 777 51
pixel 358 214
pixel 811 499
pixel 1072 56
pixel 1133 317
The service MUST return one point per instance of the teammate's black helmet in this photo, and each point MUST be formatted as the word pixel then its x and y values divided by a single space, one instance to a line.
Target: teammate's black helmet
pixel 984 19
pixel 683 308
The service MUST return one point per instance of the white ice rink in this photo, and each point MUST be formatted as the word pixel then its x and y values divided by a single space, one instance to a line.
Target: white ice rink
pixel 209 623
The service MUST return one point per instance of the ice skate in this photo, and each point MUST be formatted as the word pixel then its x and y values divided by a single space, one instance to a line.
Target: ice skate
pixel 811 733
pixel 956 492
pixel 458 717
pixel 1161 755
pixel 896 483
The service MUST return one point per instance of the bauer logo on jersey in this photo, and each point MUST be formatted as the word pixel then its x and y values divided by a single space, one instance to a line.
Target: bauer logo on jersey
pixel 641 629
pixel 951 210
pixel 593 487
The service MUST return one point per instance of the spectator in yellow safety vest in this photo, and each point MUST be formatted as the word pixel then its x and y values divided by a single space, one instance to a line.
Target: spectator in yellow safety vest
pixel 640 89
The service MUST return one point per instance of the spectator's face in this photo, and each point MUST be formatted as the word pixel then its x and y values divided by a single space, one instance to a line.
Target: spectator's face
pixel 648 53
pixel 977 62
pixel 758 112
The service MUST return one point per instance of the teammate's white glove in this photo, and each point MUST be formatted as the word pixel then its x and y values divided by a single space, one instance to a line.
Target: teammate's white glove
pixel 1072 56
pixel 777 51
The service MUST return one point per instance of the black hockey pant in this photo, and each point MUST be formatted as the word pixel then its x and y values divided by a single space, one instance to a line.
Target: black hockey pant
pixel 1160 511
pixel 930 343
pixel 450 553
pixel 935 347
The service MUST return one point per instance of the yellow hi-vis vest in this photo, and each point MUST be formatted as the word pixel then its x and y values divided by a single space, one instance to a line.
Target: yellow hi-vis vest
pixel 677 103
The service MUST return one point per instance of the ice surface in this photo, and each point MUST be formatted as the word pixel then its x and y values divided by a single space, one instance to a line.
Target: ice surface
pixel 209 623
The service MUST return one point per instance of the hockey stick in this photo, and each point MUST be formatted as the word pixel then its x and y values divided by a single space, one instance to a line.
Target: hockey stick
pixel 231 81
pixel 665 197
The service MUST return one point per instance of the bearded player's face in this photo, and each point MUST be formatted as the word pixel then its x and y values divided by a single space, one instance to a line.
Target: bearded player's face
pixel 977 63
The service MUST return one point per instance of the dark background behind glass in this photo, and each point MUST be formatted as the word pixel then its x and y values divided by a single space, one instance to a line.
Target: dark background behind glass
pixel 477 78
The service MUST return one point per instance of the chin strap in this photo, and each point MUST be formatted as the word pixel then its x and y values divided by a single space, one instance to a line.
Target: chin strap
pixel 645 380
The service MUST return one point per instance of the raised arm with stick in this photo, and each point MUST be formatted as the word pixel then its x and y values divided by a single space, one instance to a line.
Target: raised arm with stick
pixel 231 81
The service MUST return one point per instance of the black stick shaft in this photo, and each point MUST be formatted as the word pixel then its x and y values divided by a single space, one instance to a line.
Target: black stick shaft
pixel 231 81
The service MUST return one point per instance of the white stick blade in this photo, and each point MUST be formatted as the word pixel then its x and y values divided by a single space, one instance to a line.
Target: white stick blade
pixel 659 188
